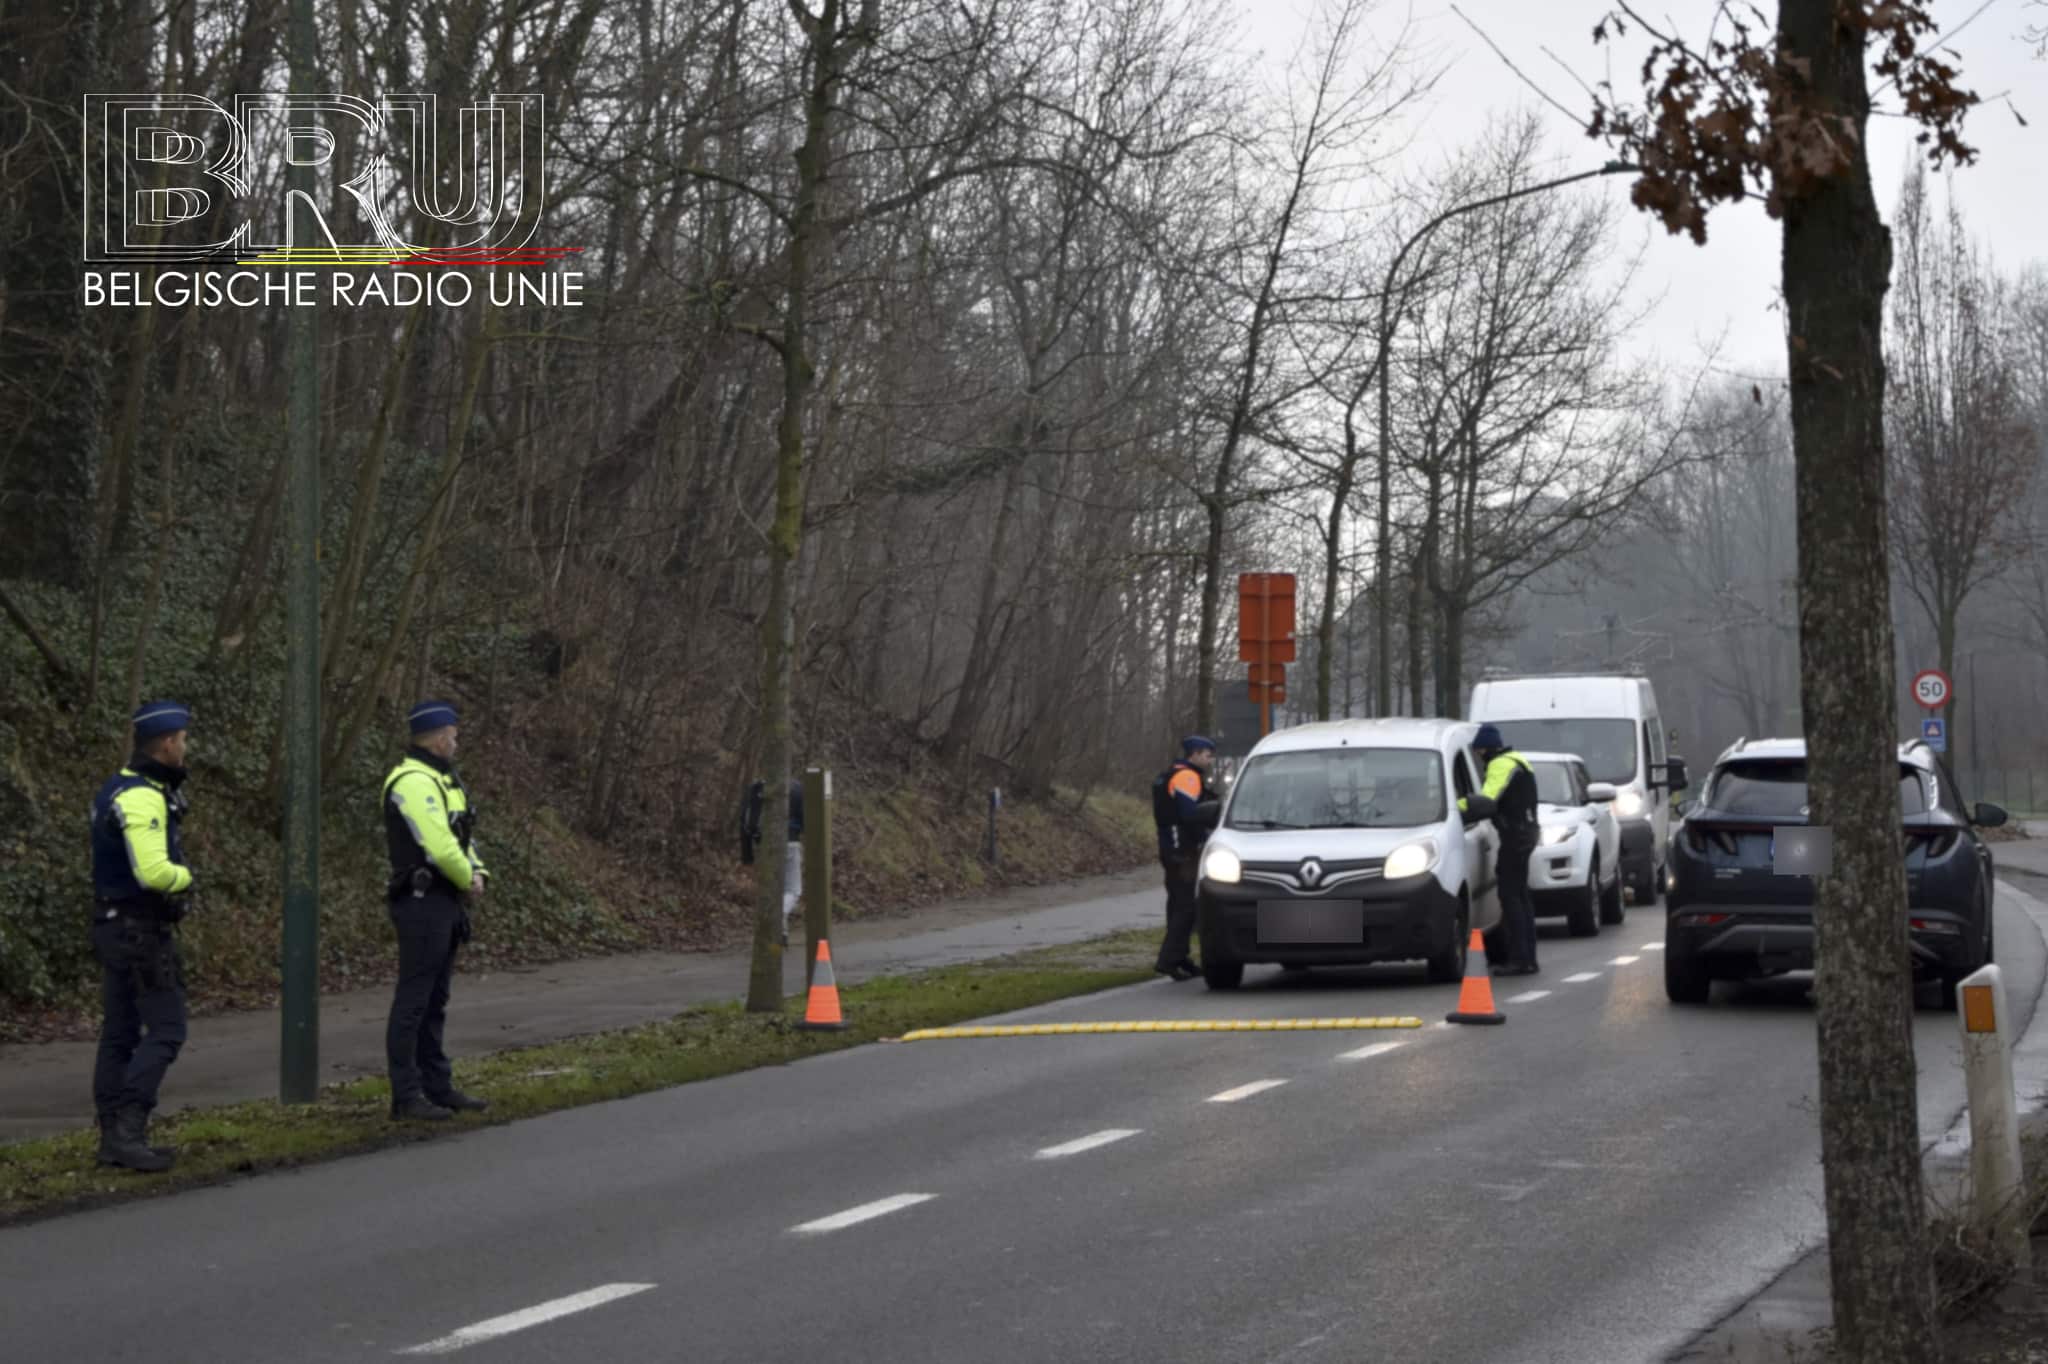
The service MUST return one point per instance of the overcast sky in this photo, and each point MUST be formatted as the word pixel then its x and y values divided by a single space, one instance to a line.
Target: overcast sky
pixel 1728 287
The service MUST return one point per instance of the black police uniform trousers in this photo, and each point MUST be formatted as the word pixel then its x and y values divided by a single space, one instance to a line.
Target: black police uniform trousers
pixel 1182 868
pixel 430 928
pixel 142 1011
pixel 1517 910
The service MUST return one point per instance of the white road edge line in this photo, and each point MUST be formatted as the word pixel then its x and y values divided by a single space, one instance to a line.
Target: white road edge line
pixel 1231 1096
pixel 1624 961
pixel 1087 1143
pixel 1528 997
pixel 532 1316
pixel 1582 977
pixel 881 1207
pixel 1367 1053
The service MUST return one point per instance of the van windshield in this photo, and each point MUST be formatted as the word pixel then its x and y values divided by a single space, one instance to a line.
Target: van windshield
pixel 1608 746
pixel 1339 788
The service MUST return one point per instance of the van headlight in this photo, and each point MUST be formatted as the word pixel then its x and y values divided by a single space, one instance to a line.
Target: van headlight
pixel 1410 859
pixel 1223 867
pixel 1555 834
pixel 1628 804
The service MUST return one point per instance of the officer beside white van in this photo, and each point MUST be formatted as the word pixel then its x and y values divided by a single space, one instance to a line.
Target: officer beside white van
pixel 1614 724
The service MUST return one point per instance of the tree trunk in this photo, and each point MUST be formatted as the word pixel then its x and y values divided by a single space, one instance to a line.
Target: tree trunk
pixel 1214 510
pixel 250 574
pixel 1333 557
pixel 1945 650
pixel 152 598
pixel 972 697
pixel 785 538
pixel 1837 261
pixel 356 718
pixel 362 513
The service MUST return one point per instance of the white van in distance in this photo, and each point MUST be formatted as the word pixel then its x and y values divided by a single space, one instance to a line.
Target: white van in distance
pixel 1612 722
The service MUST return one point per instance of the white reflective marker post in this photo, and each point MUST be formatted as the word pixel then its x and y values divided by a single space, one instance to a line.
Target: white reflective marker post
pixel 1996 1178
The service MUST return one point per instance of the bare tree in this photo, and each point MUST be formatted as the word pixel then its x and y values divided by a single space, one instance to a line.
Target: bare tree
pixel 1522 436
pixel 1962 454
pixel 1343 108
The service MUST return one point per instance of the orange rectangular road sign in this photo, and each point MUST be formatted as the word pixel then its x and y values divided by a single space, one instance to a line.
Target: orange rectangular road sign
pixel 1265 617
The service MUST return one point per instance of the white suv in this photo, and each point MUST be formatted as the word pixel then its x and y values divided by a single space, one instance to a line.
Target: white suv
pixel 1341 843
pixel 1576 868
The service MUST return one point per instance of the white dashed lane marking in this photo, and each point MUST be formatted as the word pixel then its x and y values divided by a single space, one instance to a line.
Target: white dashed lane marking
pixel 881 1207
pixel 1528 996
pixel 1582 977
pixel 1367 1053
pixel 1653 947
pixel 1231 1096
pixel 532 1316
pixel 1087 1143
pixel 1624 961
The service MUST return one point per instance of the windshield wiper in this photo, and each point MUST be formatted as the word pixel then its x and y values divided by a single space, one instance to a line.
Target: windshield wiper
pixel 1268 824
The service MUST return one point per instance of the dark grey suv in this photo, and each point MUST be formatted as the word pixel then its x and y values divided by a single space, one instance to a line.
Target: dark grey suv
pixel 1730 915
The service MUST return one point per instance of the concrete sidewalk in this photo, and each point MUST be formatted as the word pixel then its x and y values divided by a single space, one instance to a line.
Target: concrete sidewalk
pixel 233 1057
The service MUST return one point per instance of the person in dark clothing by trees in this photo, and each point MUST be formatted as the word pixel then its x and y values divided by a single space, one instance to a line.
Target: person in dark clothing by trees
pixel 1184 810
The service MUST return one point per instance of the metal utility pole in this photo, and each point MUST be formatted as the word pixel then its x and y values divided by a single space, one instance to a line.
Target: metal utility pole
pixel 299 1056
pixel 1383 632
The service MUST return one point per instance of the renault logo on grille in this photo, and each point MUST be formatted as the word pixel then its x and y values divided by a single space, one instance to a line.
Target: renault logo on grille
pixel 1311 872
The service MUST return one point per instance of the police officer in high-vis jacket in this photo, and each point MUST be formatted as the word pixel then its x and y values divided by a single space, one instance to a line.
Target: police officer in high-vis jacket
pixel 1508 794
pixel 436 872
pixel 140 883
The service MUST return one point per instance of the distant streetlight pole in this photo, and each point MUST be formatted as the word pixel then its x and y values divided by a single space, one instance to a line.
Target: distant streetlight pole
pixel 1383 671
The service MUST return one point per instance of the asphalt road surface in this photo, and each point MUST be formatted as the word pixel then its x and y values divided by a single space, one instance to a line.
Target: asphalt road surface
pixel 1600 1179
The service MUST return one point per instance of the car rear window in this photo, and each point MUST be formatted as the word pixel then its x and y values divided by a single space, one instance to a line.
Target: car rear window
pixel 1338 788
pixel 1777 790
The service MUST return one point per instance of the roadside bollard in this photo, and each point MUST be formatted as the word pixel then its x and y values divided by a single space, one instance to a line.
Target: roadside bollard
pixel 995 803
pixel 1996 1179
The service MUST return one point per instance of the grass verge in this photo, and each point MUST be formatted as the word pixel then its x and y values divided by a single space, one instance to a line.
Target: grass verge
pixel 55 1175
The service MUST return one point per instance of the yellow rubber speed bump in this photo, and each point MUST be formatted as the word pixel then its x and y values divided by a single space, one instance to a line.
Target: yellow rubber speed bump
pixel 1167 1025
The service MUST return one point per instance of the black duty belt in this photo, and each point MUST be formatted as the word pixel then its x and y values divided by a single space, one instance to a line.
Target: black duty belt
pixel 134 912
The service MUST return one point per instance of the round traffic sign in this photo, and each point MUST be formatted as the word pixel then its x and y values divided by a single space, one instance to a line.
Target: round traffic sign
pixel 1932 689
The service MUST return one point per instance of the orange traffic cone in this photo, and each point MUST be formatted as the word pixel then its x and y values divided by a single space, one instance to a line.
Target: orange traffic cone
pixel 1475 996
pixel 821 1010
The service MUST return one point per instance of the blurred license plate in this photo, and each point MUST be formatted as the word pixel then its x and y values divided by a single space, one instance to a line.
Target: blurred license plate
pixel 1311 921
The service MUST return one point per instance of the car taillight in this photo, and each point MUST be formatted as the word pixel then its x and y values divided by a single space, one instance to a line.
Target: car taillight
pixel 1934 845
pixel 1701 920
pixel 1934 926
pixel 1698 839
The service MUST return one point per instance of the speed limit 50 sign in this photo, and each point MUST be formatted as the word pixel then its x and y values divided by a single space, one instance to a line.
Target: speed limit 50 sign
pixel 1932 688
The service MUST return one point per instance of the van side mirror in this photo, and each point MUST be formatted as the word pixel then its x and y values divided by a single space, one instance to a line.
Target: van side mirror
pixel 1600 792
pixel 1674 774
pixel 1988 816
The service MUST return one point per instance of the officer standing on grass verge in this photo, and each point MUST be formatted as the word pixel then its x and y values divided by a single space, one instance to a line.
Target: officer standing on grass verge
pixel 1184 809
pixel 140 883
pixel 1508 794
pixel 436 873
